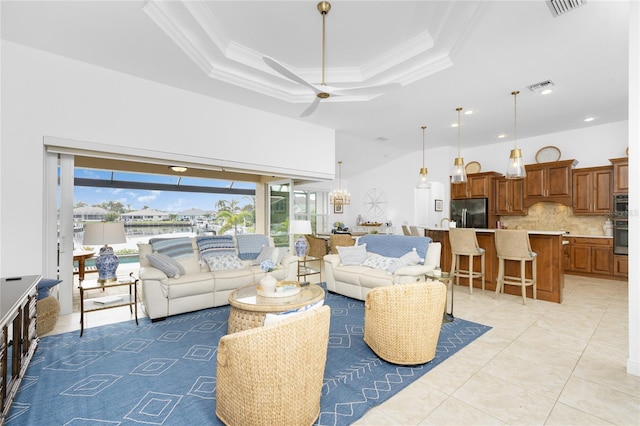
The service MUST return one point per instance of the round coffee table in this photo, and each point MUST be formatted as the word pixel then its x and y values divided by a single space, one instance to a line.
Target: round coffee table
pixel 248 309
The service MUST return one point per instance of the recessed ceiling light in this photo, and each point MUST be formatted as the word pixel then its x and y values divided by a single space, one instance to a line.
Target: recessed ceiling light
pixel 454 124
pixel 179 169
pixel 502 136
pixel 469 112
pixel 589 119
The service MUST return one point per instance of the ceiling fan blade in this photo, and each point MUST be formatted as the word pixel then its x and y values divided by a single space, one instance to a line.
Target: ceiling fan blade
pixel 311 108
pixel 364 90
pixel 288 74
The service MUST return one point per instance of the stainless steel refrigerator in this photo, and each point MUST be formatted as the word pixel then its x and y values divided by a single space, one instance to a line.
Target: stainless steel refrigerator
pixel 470 213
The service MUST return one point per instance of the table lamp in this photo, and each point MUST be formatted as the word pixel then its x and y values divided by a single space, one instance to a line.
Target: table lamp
pixel 99 233
pixel 301 228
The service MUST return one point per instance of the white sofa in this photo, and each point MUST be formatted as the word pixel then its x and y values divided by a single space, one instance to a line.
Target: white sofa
pixel 200 287
pixel 356 280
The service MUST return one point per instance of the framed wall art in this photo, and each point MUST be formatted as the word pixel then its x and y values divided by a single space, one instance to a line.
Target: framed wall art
pixel 338 208
pixel 438 205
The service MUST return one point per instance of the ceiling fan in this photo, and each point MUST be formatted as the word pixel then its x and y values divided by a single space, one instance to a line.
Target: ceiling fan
pixel 323 91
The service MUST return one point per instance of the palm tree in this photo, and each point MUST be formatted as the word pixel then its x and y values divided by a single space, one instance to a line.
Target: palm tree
pixel 232 216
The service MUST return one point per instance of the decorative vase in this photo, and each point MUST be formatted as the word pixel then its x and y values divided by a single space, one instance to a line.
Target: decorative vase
pixel 268 283
pixel 107 264
pixel 301 246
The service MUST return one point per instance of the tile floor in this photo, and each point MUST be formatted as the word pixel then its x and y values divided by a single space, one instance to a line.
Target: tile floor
pixel 542 363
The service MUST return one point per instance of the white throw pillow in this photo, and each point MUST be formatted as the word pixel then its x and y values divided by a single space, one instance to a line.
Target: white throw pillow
pixel 353 255
pixel 224 261
pixel 265 254
pixel 408 259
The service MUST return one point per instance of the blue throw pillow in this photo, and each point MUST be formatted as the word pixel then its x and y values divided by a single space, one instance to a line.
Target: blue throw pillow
pixel 44 287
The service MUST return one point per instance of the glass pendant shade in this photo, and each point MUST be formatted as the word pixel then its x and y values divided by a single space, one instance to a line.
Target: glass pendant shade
pixel 340 196
pixel 422 176
pixel 459 174
pixel 515 168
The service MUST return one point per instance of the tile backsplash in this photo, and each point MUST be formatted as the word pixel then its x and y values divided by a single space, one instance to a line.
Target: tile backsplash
pixel 556 217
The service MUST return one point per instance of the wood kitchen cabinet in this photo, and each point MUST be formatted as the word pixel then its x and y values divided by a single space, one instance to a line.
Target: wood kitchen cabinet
pixel 620 175
pixel 592 191
pixel 620 266
pixel 551 182
pixel 593 256
pixel 509 197
pixel 478 185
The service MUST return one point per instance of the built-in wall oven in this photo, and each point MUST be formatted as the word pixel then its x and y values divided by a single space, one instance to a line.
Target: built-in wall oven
pixel 621 224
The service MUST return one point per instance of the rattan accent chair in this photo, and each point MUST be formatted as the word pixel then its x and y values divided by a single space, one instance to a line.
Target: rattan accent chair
pixel 515 245
pixel 464 242
pixel 273 375
pixel 317 246
pixel 340 240
pixel 402 322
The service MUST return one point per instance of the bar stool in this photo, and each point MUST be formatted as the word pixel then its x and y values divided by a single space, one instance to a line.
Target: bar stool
pixel 515 245
pixel 465 243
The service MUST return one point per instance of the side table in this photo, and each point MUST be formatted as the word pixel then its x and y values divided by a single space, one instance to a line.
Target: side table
pixel 304 269
pixel 108 302
pixel 444 278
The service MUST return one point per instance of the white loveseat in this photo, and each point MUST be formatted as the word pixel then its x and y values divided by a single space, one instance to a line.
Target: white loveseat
pixel 355 279
pixel 199 287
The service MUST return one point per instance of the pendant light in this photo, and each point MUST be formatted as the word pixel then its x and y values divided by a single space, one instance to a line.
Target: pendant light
pixel 459 173
pixel 339 196
pixel 422 177
pixel 515 169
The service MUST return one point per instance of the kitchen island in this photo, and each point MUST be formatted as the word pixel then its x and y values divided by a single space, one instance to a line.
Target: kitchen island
pixel 547 245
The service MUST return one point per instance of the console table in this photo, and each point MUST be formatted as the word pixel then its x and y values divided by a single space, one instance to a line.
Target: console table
pixel 18 337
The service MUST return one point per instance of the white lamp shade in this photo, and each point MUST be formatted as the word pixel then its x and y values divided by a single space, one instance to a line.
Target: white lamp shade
pixel 300 227
pixel 99 233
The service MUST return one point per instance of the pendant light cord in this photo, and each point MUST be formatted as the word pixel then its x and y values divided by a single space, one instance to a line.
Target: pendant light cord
pixel 423 129
pixel 459 109
pixel 515 119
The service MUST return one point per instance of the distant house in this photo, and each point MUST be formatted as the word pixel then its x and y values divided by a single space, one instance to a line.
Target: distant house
pixel 193 215
pixel 146 215
pixel 89 214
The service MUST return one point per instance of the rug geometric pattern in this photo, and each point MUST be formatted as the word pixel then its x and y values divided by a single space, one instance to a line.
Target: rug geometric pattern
pixel 164 373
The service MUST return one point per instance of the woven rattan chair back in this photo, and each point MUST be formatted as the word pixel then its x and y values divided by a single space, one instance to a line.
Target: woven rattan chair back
pixel 317 246
pixel 340 240
pixel 250 391
pixel 464 242
pixel 515 245
pixel 402 322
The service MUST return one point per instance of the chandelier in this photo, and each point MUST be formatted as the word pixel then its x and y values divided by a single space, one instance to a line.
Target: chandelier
pixel 340 196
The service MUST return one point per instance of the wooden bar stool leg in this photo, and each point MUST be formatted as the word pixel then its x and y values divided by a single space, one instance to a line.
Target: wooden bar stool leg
pixel 534 273
pixel 470 272
pixel 500 280
pixel 523 283
pixel 482 269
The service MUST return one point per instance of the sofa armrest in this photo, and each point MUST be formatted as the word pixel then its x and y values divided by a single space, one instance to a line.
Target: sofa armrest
pixel 288 259
pixel 151 273
pixel 332 259
pixel 413 271
pixel 434 251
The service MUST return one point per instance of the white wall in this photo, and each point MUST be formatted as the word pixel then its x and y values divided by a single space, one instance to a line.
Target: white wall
pixel 49 95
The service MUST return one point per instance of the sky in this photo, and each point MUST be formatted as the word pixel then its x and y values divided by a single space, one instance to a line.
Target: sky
pixel 170 201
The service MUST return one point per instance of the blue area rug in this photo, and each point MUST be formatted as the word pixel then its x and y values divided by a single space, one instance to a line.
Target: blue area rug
pixel 164 373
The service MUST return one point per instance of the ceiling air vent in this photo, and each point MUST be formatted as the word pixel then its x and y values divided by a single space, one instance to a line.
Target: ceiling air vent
pixel 560 7
pixel 543 85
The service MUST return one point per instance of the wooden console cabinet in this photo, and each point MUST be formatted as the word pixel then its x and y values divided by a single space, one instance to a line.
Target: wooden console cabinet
pixel 18 338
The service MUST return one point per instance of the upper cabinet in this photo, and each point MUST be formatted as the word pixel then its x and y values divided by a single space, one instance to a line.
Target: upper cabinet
pixel 592 189
pixel 620 175
pixel 509 197
pixel 478 185
pixel 551 182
